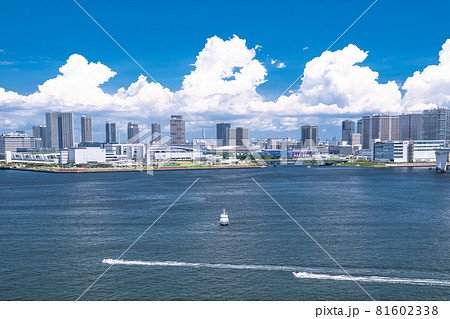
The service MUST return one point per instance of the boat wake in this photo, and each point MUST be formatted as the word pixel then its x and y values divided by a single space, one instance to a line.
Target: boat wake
pixel 293 269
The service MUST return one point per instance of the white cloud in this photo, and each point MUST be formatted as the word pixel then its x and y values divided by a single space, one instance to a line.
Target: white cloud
pixel 431 87
pixel 223 86
pixel 278 64
pixel 78 84
pixel 225 78
pixel 7 62
pixel 334 84
pixel 305 48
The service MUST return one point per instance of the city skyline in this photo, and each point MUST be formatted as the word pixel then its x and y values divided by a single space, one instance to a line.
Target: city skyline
pixel 429 124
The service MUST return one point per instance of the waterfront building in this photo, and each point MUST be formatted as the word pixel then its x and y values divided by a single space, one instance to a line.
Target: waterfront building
pixel 86 129
pixel 177 130
pixel 172 153
pixel 86 155
pixel 59 130
pixel 342 149
pixel 156 133
pixel 391 151
pixel 133 132
pixel 130 151
pixel 239 136
pixel 310 135
pixel 348 128
pixel 110 133
pixel 21 157
pixel 13 142
pixel 424 150
pixel 223 134
pixel 406 151
pixel 410 127
pixel 436 124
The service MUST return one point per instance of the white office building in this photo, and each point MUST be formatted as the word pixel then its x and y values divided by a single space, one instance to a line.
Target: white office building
pixel 86 155
pixel 424 150
pixel 395 151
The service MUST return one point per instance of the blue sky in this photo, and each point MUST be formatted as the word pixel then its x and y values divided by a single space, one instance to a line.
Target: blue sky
pixel 37 37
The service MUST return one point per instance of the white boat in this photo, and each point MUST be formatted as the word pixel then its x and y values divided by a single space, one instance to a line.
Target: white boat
pixel 224 221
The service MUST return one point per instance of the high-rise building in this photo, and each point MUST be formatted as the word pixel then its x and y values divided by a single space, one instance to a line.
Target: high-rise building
pixel 177 130
pixel 156 133
pixel 348 128
pixel 239 136
pixel 359 128
pixel 310 135
pixel 133 132
pixel 111 133
pixel 59 130
pixel 40 132
pixel 365 131
pixel 86 129
pixel 65 130
pixel 436 124
pixel 384 127
pixel 223 134
pixel 410 127
pixel 378 126
pixel 51 120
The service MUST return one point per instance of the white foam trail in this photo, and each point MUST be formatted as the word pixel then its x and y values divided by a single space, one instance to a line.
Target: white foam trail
pixel 392 280
pixel 303 275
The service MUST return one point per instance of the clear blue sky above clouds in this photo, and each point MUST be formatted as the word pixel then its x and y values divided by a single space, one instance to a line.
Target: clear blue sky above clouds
pixel 37 37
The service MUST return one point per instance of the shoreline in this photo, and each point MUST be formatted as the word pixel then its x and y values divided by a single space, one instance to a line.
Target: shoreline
pixel 390 165
pixel 56 170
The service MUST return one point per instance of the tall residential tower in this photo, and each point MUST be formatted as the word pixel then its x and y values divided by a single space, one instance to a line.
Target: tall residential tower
pixel 110 128
pixel 177 130
pixel 59 130
pixel 86 129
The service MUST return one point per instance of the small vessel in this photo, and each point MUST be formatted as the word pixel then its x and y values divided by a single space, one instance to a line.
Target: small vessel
pixel 308 166
pixel 224 221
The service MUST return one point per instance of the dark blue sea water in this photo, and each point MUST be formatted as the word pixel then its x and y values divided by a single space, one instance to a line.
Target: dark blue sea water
pixel 388 227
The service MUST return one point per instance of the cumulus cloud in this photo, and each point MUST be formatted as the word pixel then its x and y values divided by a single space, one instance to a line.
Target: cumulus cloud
pixel 224 86
pixel 225 78
pixel 334 82
pixel 431 87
